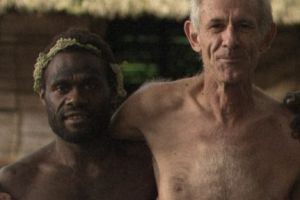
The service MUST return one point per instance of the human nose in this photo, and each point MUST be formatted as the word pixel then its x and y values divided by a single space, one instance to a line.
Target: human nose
pixel 230 38
pixel 75 97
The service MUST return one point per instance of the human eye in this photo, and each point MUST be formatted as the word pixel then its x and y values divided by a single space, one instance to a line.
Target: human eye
pixel 245 26
pixel 61 88
pixel 216 27
pixel 91 84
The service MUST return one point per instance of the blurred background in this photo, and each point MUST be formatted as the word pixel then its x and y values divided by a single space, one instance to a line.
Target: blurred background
pixel 147 34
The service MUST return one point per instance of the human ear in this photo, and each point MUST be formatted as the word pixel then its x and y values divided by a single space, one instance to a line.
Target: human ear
pixel 42 96
pixel 268 38
pixel 192 36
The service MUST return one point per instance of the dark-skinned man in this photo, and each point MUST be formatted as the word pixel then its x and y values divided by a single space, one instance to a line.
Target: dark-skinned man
pixel 79 82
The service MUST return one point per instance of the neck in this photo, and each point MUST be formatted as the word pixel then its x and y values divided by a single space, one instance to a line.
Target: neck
pixel 77 156
pixel 228 102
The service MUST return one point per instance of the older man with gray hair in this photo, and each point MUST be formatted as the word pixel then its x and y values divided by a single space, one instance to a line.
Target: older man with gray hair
pixel 216 135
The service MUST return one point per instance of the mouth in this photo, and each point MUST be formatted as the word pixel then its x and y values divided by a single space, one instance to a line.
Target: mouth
pixel 230 59
pixel 76 117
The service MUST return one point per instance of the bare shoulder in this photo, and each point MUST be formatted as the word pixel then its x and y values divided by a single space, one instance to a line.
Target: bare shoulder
pixel 15 178
pixel 162 95
pixel 277 115
pixel 151 101
pixel 267 103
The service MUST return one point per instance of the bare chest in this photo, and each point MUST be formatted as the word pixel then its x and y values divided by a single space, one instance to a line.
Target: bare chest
pixel 203 161
pixel 114 184
pixel 69 186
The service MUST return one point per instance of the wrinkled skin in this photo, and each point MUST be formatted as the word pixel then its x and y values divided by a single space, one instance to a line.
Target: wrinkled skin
pixel 292 101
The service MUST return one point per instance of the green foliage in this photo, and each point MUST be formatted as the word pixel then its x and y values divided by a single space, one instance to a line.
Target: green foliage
pixel 137 73
pixel 153 48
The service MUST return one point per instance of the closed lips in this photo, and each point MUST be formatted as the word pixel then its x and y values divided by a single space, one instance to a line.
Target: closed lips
pixel 76 115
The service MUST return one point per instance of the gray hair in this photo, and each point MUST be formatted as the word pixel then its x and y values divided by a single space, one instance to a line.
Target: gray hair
pixel 264 6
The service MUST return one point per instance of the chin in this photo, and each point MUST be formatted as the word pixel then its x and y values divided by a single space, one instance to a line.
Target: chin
pixel 234 76
pixel 78 136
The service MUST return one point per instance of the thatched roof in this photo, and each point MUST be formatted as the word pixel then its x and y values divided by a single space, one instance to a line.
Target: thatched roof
pixel 285 11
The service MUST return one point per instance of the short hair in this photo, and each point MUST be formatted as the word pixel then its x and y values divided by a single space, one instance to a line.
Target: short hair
pixel 86 42
pixel 264 6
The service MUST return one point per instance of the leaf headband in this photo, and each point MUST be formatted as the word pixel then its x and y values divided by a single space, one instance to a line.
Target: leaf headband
pixel 44 59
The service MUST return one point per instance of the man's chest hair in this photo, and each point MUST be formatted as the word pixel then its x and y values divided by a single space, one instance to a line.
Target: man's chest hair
pixel 232 170
pixel 235 151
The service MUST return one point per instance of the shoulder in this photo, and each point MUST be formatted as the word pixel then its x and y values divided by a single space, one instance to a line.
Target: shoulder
pixel 16 177
pixel 276 114
pixel 173 87
pixel 160 95
pixel 270 105
pixel 150 103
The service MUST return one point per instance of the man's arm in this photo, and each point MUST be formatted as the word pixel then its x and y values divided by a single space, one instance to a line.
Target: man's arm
pixel 15 179
pixel 126 121
pixel 292 101
pixel 140 110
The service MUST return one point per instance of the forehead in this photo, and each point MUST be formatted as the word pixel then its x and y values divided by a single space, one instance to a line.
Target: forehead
pixel 229 8
pixel 70 63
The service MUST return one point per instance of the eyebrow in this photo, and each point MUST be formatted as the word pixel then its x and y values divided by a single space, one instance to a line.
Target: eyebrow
pixel 245 20
pixel 216 20
pixel 236 21
pixel 83 76
pixel 67 75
